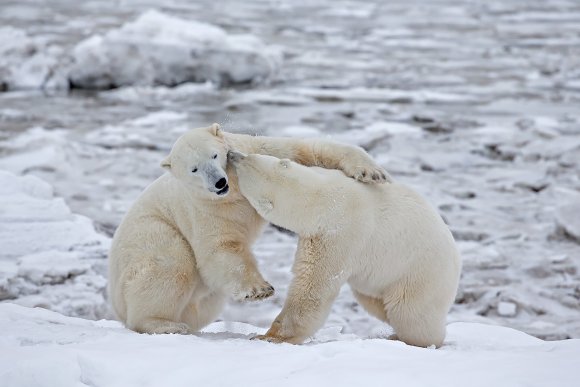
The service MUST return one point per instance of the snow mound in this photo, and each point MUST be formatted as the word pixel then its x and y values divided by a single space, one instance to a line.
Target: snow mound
pixel 29 63
pixel 50 257
pixel 158 49
pixel 43 348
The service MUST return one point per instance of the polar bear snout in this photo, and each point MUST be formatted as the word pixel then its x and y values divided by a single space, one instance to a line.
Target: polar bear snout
pixel 222 186
pixel 235 156
pixel 221 183
pixel 215 179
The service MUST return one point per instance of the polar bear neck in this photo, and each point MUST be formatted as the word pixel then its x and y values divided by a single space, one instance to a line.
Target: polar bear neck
pixel 322 199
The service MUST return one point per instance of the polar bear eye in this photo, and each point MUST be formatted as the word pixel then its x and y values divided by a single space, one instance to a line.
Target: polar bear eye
pixel 194 170
pixel 215 156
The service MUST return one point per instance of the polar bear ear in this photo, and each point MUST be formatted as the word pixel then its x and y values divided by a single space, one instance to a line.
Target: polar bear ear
pixel 215 129
pixel 166 163
pixel 285 163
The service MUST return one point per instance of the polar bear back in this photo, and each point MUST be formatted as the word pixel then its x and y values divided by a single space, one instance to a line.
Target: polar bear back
pixel 384 228
pixel 406 235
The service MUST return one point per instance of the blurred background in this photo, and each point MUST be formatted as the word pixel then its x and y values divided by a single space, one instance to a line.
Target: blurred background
pixel 475 104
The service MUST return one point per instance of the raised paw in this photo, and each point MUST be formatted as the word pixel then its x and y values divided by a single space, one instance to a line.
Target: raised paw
pixel 255 292
pixel 369 174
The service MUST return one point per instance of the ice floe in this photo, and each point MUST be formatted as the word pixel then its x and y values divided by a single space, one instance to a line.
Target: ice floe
pixel 158 49
pixel 50 257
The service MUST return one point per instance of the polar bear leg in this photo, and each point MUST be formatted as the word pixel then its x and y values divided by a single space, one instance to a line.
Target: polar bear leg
pixel 316 283
pixel 156 298
pixel 205 311
pixel 155 302
pixel 352 160
pixel 160 281
pixel 230 267
pixel 305 310
pixel 374 306
pixel 418 326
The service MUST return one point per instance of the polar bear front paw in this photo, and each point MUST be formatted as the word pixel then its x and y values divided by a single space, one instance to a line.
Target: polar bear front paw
pixel 278 339
pixel 368 174
pixel 269 339
pixel 255 292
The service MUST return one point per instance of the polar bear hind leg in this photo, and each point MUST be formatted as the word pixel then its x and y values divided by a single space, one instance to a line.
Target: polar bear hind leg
pixel 418 326
pixel 205 311
pixel 374 306
pixel 160 284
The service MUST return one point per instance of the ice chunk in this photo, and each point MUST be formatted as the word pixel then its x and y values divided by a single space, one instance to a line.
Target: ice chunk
pixel 507 309
pixel 158 49
pixel 51 267
pixel 30 222
pixel 50 257
pixel 29 63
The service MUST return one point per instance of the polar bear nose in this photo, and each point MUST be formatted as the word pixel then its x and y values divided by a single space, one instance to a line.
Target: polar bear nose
pixel 221 183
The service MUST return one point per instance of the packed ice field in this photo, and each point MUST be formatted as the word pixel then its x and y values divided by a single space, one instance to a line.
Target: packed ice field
pixel 474 104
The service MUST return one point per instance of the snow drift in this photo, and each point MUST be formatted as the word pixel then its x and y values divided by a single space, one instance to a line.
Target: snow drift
pixel 44 348
pixel 157 49
pixel 154 49
pixel 50 257
pixel 29 63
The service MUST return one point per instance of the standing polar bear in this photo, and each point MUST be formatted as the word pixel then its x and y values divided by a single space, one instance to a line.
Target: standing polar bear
pixel 185 244
pixel 385 241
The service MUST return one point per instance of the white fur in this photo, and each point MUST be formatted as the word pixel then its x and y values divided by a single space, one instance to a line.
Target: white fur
pixel 185 245
pixel 385 241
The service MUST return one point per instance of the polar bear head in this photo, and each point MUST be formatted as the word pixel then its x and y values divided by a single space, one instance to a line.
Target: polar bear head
pixel 198 159
pixel 282 191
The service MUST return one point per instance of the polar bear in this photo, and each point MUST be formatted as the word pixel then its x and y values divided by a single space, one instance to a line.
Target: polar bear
pixel 385 241
pixel 185 244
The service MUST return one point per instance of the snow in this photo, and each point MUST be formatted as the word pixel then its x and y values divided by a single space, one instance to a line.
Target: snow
pixel 299 131
pixel 508 309
pixel 30 211
pixel 43 348
pixel 158 49
pixel 28 62
pixel 376 132
pixel 487 131
pixel 379 95
pixel 169 94
pixel 568 219
pixel 50 257
pixel 155 49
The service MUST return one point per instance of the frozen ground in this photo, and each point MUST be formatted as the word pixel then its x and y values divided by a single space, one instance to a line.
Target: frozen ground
pixel 43 348
pixel 50 257
pixel 473 103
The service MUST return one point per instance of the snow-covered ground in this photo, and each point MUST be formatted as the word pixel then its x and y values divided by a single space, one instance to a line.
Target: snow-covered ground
pixel 43 348
pixel 50 257
pixel 472 103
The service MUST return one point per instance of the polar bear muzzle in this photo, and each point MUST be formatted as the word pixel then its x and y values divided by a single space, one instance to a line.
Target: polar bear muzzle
pixel 222 185
pixel 218 184
pixel 214 177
